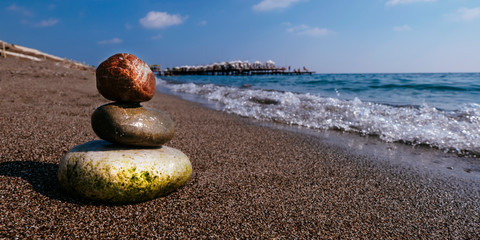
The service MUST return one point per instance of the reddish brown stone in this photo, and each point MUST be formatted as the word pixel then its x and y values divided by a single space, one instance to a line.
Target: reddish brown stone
pixel 125 78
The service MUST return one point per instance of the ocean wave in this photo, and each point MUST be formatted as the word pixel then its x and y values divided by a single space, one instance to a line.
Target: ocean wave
pixel 456 131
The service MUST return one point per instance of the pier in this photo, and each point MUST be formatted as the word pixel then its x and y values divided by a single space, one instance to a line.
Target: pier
pixel 234 68
pixel 247 72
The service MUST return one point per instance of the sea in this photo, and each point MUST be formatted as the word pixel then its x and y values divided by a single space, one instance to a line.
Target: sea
pixel 437 110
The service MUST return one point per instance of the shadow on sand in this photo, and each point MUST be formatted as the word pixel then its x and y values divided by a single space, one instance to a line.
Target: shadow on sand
pixel 43 178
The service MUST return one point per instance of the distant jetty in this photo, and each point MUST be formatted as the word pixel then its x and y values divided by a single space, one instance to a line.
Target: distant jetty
pixel 232 68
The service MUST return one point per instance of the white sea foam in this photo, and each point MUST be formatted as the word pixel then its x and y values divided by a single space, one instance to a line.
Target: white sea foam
pixel 457 131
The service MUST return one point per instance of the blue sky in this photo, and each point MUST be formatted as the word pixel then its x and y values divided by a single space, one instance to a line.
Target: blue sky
pixel 327 36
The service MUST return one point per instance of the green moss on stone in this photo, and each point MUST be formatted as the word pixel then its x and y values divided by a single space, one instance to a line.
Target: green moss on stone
pixel 123 179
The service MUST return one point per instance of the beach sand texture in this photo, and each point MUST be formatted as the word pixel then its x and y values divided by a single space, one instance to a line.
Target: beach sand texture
pixel 249 181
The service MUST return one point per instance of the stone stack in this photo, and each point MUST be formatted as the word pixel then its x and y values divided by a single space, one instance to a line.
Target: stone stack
pixel 130 164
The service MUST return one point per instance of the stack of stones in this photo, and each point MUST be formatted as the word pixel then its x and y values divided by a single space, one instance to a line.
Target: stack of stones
pixel 130 164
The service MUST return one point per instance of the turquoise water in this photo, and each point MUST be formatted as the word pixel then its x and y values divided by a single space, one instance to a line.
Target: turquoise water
pixel 441 110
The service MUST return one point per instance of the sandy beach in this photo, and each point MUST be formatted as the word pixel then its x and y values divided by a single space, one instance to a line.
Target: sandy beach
pixel 249 180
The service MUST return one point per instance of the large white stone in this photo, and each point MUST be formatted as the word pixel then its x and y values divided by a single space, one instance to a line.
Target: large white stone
pixel 102 171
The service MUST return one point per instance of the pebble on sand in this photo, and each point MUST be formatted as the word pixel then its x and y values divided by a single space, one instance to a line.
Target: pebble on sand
pixel 102 171
pixel 132 125
pixel 124 77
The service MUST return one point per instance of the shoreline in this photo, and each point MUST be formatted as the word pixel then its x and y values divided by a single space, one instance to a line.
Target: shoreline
pixel 248 180
pixel 392 114
pixel 423 160
pixel 429 159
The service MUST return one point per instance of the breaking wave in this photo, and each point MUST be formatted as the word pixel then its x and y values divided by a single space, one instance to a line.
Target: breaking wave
pixel 455 131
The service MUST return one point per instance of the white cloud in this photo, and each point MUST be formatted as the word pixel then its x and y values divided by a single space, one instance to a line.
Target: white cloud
pixel 402 28
pixel 315 31
pixel 47 23
pixel 20 9
pixel 309 31
pixel 395 2
pixel 465 14
pixel 111 41
pixel 268 5
pixel 161 20
pixel 202 23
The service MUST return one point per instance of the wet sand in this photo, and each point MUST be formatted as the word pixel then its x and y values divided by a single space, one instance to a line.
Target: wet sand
pixel 249 180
